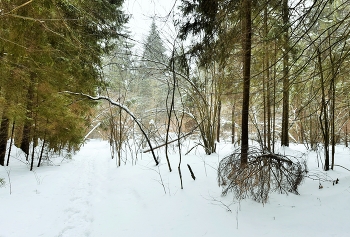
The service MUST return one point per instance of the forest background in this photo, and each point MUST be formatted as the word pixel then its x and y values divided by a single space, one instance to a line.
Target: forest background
pixel 272 72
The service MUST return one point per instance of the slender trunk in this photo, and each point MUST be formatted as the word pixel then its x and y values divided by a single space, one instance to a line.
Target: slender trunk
pixel 4 127
pixel 28 123
pixel 274 100
pixel 43 146
pixel 42 152
pixel 219 124
pixel 264 94
pixel 233 124
pixel 247 34
pixel 332 91
pixel 268 89
pixel 324 120
pixel 169 113
pixel 11 141
pixel 34 144
pixel 120 138
pixel 333 121
pixel 285 107
pixel 346 135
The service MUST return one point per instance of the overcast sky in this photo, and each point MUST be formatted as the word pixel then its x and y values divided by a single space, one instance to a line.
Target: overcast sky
pixel 142 12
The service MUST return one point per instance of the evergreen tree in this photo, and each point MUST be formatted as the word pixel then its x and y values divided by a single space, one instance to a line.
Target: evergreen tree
pixel 154 51
pixel 48 47
pixel 152 83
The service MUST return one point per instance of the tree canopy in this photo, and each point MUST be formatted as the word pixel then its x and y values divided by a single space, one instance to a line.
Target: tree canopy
pixel 47 47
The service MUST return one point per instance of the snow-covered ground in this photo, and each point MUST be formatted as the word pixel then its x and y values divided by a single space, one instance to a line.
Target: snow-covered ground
pixel 90 196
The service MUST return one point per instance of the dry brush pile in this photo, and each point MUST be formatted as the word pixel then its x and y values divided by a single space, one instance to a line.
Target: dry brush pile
pixel 264 173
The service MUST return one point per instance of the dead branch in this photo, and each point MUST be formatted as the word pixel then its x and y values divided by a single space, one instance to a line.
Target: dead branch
pixel 342 167
pixel 192 174
pixel 183 136
pixel 263 174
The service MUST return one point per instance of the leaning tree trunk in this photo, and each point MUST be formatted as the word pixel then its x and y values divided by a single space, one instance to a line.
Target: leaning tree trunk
pixel 246 46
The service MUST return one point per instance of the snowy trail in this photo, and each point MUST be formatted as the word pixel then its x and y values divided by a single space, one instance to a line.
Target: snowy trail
pixel 89 196
pixel 82 184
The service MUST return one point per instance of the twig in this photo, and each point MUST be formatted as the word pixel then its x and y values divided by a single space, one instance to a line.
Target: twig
pixel 185 135
pixel 9 178
pixel 192 174
pixel 220 203
pixel 342 167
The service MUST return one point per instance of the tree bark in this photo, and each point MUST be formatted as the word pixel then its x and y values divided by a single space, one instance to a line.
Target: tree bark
pixel 233 124
pixel 219 124
pixel 29 116
pixel 285 106
pixel 11 141
pixel 246 46
pixel 3 138
pixel 324 121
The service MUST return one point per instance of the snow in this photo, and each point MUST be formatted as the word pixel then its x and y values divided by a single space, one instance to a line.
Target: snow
pixel 90 196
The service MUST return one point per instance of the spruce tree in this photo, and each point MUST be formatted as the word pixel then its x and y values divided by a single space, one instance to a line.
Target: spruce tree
pixel 48 47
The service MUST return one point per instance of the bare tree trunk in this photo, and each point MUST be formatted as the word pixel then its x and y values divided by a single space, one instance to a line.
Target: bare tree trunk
pixel 346 135
pixel 285 107
pixel 42 151
pixel 333 120
pixel 267 111
pixel 34 143
pixel 11 141
pixel 332 91
pixel 26 137
pixel 246 41
pixel 219 124
pixel 170 111
pixel 324 120
pixel 233 124
pixel 120 138
pixel 274 100
pixel 4 127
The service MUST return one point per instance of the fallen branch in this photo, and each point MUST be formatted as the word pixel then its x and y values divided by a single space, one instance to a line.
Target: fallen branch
pixel 185 135
pixel 275 157
pixel 342 167
pixel 192 174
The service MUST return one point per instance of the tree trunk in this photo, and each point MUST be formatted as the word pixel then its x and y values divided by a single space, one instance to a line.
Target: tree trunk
pixel 324 121
pixel 246 41
pixel 268 82
pixel 219 124
pixel 3 138
pixel 285 107
pixel 11 141
pixel 274 99
pixel 233 124
pixel 42 151
pixel 346 135
pixel 332 92
pixel 28 122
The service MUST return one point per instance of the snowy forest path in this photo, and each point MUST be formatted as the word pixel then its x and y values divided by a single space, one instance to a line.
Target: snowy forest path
pixel 82 185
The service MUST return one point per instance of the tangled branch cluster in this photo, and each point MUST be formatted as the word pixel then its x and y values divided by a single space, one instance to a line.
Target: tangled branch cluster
pixel 265 173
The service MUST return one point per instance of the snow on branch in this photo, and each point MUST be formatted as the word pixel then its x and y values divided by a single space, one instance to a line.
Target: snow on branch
pixel 123 107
